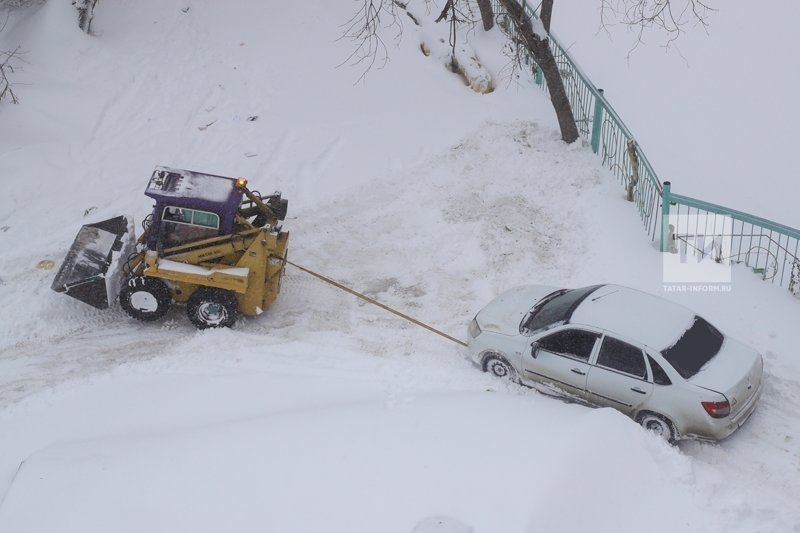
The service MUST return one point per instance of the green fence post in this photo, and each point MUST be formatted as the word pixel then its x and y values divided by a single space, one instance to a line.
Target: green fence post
pixel 665 201
pixel 537 76
pixel 597 121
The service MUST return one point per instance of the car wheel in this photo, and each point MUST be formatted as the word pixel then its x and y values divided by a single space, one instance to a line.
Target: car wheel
pixel 659 425
pixel 212 308
pixel 499 367
pixel 145 298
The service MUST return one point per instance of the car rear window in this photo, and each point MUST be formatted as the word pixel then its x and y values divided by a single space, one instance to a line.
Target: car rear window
pixel 557 309
pixel 696 347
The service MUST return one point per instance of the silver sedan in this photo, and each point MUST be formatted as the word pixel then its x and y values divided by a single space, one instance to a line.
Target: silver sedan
pixel 611 346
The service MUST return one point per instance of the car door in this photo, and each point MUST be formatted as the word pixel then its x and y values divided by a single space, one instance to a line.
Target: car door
pixel 561 358
pixel 619 377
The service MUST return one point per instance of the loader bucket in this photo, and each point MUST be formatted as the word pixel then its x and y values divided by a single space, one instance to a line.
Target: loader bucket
pixel 89 272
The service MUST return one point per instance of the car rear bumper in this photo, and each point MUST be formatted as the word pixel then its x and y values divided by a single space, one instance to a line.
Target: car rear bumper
pixel 718 429
pixel 743 415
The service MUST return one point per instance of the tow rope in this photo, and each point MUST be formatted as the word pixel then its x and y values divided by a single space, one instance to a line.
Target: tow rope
pixel 376 302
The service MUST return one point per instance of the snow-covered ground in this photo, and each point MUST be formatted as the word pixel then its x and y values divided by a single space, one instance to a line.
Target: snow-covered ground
pixel 323 413
pixel 714 110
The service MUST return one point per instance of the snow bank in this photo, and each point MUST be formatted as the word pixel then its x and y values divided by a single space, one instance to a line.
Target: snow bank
pixel 492 461
pixel 461 58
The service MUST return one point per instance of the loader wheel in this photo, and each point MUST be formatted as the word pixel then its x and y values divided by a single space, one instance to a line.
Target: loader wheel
pixel 212 308
pixel 145 298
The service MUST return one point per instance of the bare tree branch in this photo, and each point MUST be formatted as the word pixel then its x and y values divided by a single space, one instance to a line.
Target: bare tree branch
pixel 456 17
pixel 668 16
pixel 6 67
pixel 363 30
pixel 448 6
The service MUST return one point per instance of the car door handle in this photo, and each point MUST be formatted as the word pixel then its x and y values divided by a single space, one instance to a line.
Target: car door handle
pixel 637 389
pixel 578 371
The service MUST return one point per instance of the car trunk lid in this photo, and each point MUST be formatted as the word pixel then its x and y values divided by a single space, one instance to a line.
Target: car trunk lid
pixel 735 372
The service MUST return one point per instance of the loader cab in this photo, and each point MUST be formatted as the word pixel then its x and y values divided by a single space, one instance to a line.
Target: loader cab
pixel 181 225
pixel 190 206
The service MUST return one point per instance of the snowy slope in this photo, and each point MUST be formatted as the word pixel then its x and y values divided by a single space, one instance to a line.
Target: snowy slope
pixel 716 110
pixel 324 413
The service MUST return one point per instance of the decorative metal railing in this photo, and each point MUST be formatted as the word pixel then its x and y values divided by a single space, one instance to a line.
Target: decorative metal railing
pixel 598 122
pixel 769 248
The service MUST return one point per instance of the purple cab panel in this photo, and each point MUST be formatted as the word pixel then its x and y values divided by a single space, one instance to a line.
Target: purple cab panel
pixel 192 190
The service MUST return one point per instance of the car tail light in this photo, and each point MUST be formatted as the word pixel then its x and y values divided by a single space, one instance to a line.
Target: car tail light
pixel 717 409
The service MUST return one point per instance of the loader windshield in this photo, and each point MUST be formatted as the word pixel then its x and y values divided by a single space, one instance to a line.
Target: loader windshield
pixel 180 226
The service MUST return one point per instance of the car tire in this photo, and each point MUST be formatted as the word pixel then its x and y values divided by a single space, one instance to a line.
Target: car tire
pixel 212 308
pixel 500 368
pixel 145 298
pixel 660 425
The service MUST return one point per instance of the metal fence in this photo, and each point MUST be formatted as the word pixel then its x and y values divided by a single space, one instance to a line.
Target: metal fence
pixel 768 248
pixel 598 122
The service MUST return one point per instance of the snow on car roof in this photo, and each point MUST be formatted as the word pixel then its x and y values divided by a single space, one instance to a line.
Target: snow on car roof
pixel 634 314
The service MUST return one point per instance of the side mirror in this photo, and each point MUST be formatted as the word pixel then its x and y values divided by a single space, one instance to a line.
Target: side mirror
pixel 534 349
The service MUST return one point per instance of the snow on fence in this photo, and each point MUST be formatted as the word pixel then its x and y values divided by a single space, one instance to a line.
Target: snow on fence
pixel 769 248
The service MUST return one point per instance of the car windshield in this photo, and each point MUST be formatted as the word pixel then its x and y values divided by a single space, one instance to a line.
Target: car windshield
pixel 696 347
pixel 556 308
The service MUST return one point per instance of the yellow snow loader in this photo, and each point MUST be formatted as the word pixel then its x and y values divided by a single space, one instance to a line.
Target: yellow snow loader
pixel 210 243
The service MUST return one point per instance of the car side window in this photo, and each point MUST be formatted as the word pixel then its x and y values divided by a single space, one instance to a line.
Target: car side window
pixel 570 342
pixel 622 357
pixel 659 376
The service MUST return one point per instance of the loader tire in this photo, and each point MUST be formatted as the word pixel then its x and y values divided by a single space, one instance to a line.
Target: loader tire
pixel 212 308
pixel 145 299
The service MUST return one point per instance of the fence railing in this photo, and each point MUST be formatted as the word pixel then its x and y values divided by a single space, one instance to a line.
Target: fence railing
pixel 598 122
pixel 769 248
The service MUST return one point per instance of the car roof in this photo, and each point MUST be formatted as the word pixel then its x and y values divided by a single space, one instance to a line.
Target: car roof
pixel 633 314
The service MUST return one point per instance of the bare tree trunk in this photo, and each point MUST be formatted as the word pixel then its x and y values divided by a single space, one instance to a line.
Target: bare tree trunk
pixel 539 48
pixel 546 13
pixel 487 14
pixel 85 13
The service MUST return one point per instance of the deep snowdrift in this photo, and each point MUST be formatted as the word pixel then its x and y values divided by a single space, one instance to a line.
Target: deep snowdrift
pixel 324 413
